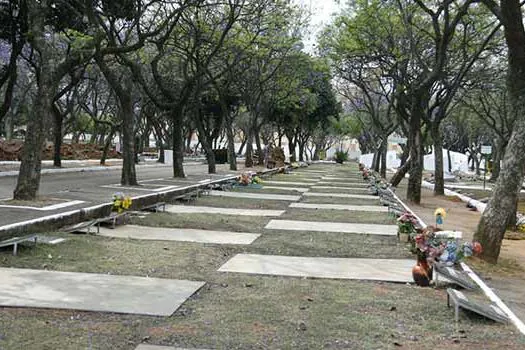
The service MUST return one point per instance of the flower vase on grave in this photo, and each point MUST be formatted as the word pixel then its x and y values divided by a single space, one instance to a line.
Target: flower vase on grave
pixel 422 272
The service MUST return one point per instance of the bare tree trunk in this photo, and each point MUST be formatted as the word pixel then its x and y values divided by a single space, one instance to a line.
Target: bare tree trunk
pixel 123 91
pixel 439 179
pixel 449 161
pixel 384 153
pixel 128 175
pixel 291 149
pixel 248 163
pixel 416 155
pixel 28 181
pixel 498 150
pixel 260 153
pixel 494 221
pixel 377 160
pixel 178 143
pixel 301 151
pixel 57 136
pixel 232 157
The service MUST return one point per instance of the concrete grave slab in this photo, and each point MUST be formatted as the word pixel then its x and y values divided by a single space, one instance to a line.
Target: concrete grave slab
pixel 159 347
pixel 187 209
pixel 340 195
pixel 248 195
pixel 390 270
pixel 345 184
pixel 371 208
pixel 342 227
pixel 298 189
pixel 179 234
pixel 287 183
pixel 93 292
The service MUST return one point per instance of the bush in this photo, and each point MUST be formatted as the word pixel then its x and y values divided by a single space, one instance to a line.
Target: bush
pixel 340 156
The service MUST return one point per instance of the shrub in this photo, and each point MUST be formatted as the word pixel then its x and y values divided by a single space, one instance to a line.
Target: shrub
pixel 340 156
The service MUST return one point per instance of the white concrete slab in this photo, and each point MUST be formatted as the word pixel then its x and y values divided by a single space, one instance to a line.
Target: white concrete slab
pixel 93 292
pixel 298 189
pixel 159 347
pixel 187 209
pixel 340 195
pixel 372 208
pixel 339 188
pixel 249 195
pixel 342 227
pixel 179 234
pixel 390 270
pixel 344 184
pixel 288 183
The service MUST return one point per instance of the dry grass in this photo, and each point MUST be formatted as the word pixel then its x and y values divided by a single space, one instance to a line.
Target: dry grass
pixel 237 311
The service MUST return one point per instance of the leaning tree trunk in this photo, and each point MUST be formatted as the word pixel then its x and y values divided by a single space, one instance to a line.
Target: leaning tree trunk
pixel 241 147
pixel 416 155
pixel 178 143
pixel 400 174
pixel 107 144
pixel 439 180
pixel 494 220
pixel 206 143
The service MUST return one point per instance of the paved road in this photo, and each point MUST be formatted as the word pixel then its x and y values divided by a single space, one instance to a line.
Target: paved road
pixel 98 187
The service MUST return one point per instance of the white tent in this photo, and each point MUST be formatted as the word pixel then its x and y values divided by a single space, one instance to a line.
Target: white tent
pixel 392 160
pixel 459 161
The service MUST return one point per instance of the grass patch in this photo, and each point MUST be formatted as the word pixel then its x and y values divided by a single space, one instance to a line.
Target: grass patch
pixel 356 190
pixel 40 202
pixel 335 200
pixel 267 190
pixel 203 221
pixel 236 311
pixel 241 203
pixel 338 216
pixel 251 312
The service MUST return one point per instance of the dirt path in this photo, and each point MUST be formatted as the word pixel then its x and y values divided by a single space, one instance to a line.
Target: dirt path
pixel 508 278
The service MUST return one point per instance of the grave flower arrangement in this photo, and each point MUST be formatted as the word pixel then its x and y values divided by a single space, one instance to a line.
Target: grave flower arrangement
pixel 407 223
pixel 121 202
pixel 435 248
pixel 249 178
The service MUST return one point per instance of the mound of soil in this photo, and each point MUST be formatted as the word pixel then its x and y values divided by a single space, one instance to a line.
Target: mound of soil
pixel 12 150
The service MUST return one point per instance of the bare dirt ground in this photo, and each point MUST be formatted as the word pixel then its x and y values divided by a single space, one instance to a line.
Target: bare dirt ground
pixel 508 277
